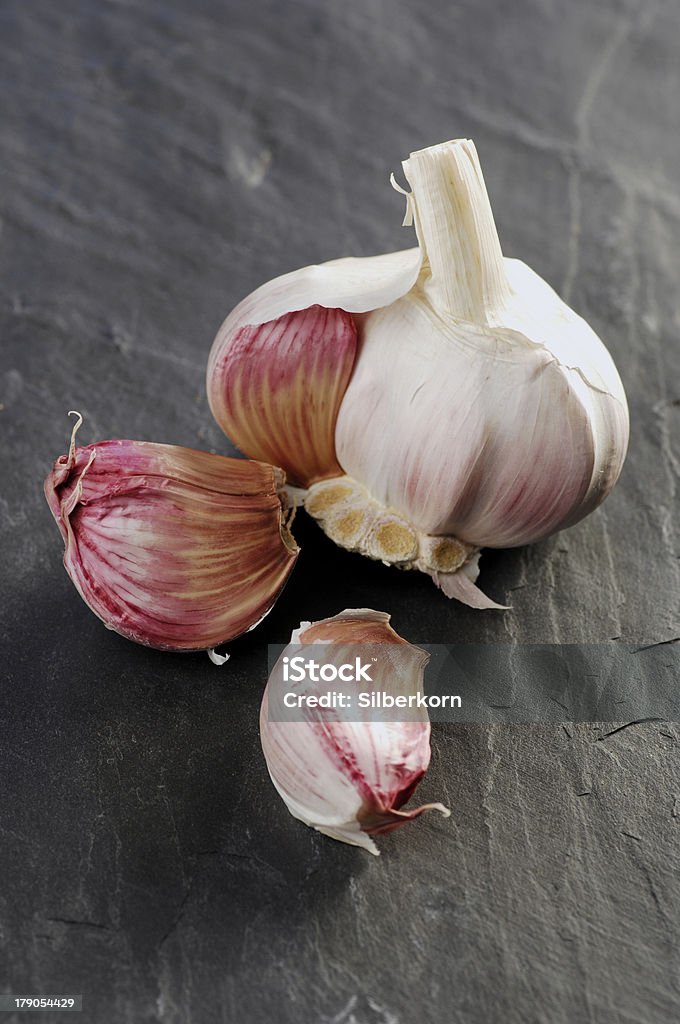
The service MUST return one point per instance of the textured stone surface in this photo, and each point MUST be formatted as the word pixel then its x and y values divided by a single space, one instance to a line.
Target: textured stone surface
pixel 160 160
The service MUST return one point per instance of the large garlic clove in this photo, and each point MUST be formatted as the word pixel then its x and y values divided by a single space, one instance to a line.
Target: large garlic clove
pixel 349 779
pixel 275 388
pixel 174 548
pixel 280 363
pixel 282 359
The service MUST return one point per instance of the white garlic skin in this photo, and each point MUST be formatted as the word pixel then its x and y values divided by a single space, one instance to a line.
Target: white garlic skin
pixel 483 433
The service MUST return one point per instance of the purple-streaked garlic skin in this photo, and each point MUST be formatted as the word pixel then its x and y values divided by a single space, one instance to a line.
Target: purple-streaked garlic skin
pixel 275 388
pixel 349 780
pixel 173 548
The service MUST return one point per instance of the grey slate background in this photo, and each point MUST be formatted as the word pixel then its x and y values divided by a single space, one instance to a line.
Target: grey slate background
pixel 161 159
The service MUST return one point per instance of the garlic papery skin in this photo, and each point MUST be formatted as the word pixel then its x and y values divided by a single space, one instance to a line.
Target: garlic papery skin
pixel 173 548
pixel 275 388
pixel 348 779
pixel 481 411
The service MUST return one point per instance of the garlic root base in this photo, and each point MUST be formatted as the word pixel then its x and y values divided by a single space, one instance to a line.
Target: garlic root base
pixel 350 517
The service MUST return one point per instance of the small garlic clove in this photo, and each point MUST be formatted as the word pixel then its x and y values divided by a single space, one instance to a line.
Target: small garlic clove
pixel 173 548
pixel 349 780
pixel 275 388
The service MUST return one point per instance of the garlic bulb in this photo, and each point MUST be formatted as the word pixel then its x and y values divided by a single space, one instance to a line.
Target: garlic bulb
pixel 348 779
pixel 171 547
pixel 476 410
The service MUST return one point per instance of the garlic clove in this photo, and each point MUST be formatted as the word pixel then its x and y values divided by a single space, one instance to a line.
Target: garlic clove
pixel 275 388
pixel 173 548
pixel 349 780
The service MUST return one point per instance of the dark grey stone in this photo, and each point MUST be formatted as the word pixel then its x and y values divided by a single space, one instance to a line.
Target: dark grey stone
pixel 160 159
